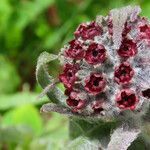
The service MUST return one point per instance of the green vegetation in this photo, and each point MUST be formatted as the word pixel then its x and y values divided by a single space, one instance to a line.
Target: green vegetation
pixel 28 27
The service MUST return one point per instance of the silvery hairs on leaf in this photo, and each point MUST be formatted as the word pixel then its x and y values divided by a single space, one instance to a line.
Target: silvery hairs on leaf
pixel 51 107
pixel 46 81
pixel 119 18
pixel 46 90
pixel 82 143
pixel 64 110
pixel 121 138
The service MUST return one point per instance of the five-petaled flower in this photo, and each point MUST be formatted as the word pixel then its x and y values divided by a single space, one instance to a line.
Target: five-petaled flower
pixel 123 73
pixel 68 76
pixel 95 54
pixel 88 31
pixel 127 49
pixel 75 102
pixel 95 83
pixel 75 50
pixel 126 99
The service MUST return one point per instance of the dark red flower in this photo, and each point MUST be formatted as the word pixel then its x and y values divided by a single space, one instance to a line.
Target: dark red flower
pixel 68 76
pixel 95 54
pixel 123 73
pixel 97 106
pixel 75 50
pixel 95 83
pixel 126 99
pixel 75 102
pixel 145 32
pixel 127 49
pixel 88 31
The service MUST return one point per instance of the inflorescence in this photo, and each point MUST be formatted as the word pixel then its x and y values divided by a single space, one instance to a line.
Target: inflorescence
pixel 101 77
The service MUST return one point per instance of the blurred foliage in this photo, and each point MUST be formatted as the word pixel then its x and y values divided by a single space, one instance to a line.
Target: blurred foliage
pixel 21 130
pixel 18 99
pixel 28 27
pixel 7 85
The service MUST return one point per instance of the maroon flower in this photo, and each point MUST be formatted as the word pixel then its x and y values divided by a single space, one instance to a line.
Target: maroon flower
pixel 126 99
pixel 95 54
pixel 88 31
pixel 95 83
pixel 123 73
pixel 145 32
pixel 75 50
pixel 97 106
pixel 127 49
pixel 75 102
pixel 68 76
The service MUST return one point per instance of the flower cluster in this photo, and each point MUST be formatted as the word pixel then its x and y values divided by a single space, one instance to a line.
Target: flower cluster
pixel 97 75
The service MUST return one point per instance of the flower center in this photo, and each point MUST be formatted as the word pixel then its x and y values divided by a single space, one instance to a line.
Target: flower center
pixel 126 48
pixel 123 71
pixel 69 74
pixel 146 93
pixel 95 53
pixel 75 102
pixel 96 83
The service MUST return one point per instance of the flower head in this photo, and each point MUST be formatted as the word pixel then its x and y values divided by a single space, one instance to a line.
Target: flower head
pixel 91 67
pixel 123 73
pixel 127 49
pixel 126 99
pixel 95 83
pixel 68 76
pixel 75 102
pixel 88 31
pixel 75 50
pixel 95 54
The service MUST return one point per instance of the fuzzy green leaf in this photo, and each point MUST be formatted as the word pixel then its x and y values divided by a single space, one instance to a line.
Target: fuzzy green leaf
pixel 121 138
pixel 44 79
pixel 95 129
pixel 82 143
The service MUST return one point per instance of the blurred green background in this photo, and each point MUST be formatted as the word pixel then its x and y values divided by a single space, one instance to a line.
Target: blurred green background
pixel 28 27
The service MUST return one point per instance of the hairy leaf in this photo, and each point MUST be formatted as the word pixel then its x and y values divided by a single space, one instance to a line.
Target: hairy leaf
pixel 82 143
pixel 44 79
pixel 121 138
pixel 51 107
pixel 119 17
